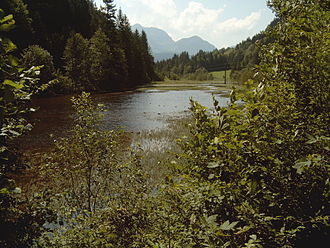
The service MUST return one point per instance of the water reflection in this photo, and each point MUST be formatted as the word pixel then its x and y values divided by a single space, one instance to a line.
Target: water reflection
pixel 138 110
pixel 149 109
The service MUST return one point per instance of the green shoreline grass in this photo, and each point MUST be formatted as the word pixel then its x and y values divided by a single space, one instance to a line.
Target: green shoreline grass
pixel 188 85
pixel 159 147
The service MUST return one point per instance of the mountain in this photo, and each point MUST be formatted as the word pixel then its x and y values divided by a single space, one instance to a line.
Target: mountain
pixel 164 47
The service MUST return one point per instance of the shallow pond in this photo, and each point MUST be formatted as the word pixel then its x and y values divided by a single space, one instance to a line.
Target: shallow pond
pixel 145 108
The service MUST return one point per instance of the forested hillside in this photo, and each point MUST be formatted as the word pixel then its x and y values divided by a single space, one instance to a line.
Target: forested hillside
pixel 84 47
pixel 243 55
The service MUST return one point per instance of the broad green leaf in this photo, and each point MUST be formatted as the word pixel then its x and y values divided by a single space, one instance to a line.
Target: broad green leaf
pixel 13 84
pixel 4 191
pixel 213 165
pixel 211 176
pixel 6 19
pixel 300 165
pixel 9 46
pixel 17 190
pixel 14 133
pixel 7 26
pixel 226 226
pixel 244 229
pixel 13 61
pixel 3 149
pixel 212 219
pixel 2 14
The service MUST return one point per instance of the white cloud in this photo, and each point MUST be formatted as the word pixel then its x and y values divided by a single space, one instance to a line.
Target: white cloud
pixel 234 30
pixel 195 19
pixel 235 24
pixel 149 13
pixel 163 8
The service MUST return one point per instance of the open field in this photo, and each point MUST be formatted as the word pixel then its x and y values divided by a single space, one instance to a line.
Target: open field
pixel 219 75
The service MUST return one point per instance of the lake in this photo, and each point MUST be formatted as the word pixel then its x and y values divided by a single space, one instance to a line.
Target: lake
pixel 146 108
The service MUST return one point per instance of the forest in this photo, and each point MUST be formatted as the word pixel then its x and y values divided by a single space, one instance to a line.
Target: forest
pixel 240 60
pixel 251 174
pixel 80 46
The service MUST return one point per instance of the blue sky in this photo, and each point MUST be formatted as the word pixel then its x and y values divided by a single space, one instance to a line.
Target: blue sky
pixel 222 22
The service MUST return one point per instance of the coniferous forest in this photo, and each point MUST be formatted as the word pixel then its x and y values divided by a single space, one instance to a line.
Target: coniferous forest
pixel 80 45
pixel 240 59
pixel 252 174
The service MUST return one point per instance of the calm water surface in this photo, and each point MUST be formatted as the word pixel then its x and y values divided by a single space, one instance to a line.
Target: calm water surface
pixel 142 109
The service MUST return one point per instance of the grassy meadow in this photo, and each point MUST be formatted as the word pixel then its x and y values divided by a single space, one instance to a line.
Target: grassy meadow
pixel 220 75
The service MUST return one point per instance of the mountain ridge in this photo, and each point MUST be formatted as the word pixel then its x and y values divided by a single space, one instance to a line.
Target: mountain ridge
pixel 163 46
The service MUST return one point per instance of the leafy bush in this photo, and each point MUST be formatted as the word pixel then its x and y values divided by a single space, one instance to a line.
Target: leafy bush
pixel 243 75
pixel 20 220
pixel 201 74
pixel 173 76
pixel 99 196
pixel 64 84
pixel 257 175
pixel 35 55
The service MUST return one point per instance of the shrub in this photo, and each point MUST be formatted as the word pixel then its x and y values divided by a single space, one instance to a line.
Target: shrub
pixel 20 220
pixel 65 84
pixel 37 56
pixel 243 75
pixel 201 74
pixel 99 196
pixel 257 175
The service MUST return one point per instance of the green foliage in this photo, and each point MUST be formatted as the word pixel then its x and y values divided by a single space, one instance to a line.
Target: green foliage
pixel 99 64
pixel 20 220
pixel 64 84
pixel 303 56
pixel 99 191
pixel 22 18
pixel 257 175
pixel 243 55
pixel 201 74
pixel 16 87
pixel 243 75
pixel 100 52
pixel 37 56
pixel 105 57
pixel 76 59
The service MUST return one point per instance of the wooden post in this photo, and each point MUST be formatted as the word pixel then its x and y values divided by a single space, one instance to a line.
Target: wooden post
pixel 226 75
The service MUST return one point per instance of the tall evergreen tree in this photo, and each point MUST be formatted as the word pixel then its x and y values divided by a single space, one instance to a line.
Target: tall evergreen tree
pixel 109 11
pixel 76 61
pixel 100 59
pixel 127 42
pixel 50 24
pixel 148 58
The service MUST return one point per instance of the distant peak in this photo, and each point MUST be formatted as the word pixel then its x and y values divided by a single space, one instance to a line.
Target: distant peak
pixel 138 27
pixel 195 37
pixel 163 46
